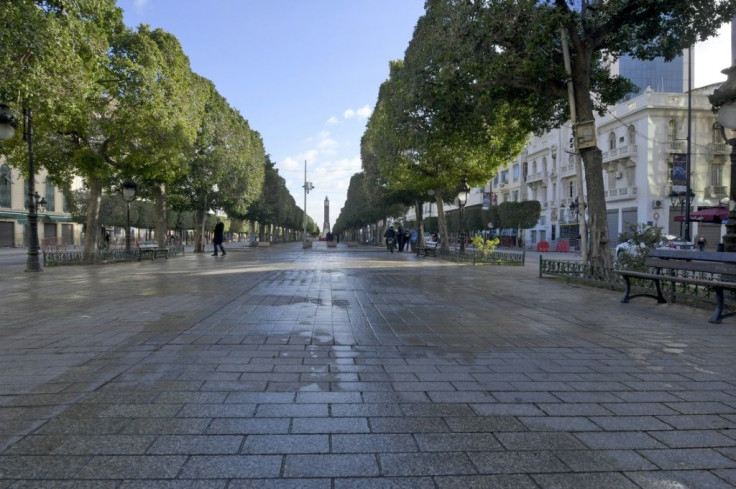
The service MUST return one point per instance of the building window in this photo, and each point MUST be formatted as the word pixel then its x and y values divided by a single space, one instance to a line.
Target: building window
pixel 64 203
pixel 544 164
pixel 631 135
pixel 717 137
pixel 5 186
pixel 716 175
pixel 525 170
pixel 571 189
pixel 516 172
pixel 516 196
pixel 554 158
pixel 50 196
pixel 495 179
pixel 505 176
pixel 611 140
pixel 671 130
pixel 534 167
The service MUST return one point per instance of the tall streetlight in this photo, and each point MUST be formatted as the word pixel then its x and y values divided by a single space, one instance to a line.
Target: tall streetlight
pixel 8 123
pixel 462 199
pixel 724 103
pixel 307 187
pixel 682 199
pixel 129 188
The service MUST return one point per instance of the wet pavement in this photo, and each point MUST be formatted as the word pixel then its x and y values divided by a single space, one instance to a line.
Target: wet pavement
pixel 351 368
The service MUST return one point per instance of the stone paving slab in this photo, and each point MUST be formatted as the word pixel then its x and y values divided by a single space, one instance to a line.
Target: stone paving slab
pixel 287 368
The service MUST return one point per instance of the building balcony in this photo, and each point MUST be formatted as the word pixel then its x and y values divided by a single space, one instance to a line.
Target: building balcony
pixel 623 193
pixel 619 153
pixel 716 192
pixel 536 177
pixel 675 146
pixel 566 171
pixel 717 148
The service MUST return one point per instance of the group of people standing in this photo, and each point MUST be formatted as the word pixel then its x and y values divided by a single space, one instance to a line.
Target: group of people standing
pixel 404 238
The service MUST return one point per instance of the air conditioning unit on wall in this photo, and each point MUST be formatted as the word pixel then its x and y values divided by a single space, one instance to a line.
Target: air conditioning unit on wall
pixel 656 204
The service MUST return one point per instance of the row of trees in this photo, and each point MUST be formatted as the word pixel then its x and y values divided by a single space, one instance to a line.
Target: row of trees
pixel 109 103
pixel 479 76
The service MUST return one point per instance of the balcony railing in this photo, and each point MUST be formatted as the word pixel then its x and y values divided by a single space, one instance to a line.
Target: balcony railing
pixel 622 193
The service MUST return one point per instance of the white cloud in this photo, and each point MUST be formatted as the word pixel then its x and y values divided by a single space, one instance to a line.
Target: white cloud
pixel 364 112
pixel 140 4
pixel 360 114
pixel 327 144
pixel 332 120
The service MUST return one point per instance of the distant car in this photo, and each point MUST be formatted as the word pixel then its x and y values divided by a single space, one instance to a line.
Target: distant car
pixel 668 242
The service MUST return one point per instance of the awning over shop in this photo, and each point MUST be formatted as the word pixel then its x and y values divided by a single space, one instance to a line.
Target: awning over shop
pixel 714 214
pixel 20 217
pixel 52 218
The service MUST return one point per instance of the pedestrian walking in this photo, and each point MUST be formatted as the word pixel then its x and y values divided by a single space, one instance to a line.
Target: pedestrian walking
pixel 218 237
pixel 701 243
pixel 413 238
pixel 400 238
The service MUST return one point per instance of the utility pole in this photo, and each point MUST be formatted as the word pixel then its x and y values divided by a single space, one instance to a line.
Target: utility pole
pixel 583 226
pixel 307 187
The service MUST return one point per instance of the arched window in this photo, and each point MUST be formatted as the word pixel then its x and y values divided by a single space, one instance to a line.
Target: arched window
pixel 671 130
pixel 717 137
pixel 5 186
pixel 611 140
pixel 544 164
pixel 50 196
pixel 631 133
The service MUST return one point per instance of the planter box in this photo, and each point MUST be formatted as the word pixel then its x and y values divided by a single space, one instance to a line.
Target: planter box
pixel 307 244
pixel 263 244
pixel 332 244
pixel 352 244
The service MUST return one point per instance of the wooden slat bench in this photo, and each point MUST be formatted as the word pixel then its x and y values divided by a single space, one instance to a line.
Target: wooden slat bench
pixel 153 249
pixel 429 248
pixel 668 266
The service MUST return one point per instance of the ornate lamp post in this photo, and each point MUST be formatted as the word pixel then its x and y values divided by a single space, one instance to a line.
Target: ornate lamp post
pixel 724 103
pixel 129 188
pixel 462 199
pixel 8 123
pixel 678 198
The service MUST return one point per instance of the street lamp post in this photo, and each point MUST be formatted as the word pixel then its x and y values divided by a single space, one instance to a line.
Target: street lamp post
pixel 681 198
pixel 462 199
pixel 724 103
pixel 129 188
pixel 307 187
pixel 8 123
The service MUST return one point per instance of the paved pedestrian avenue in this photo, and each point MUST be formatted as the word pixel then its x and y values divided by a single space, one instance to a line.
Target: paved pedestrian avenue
pixel 279 367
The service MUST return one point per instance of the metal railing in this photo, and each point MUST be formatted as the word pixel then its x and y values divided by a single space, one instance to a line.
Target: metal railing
pixel 677 291
pixel 107 255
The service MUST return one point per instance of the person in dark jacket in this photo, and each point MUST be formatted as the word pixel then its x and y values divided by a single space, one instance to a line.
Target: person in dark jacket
pixel 219 236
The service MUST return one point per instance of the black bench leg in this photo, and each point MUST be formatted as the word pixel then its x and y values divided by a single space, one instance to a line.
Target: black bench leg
pixel 660 297
pixel 627 293
pixel 718 313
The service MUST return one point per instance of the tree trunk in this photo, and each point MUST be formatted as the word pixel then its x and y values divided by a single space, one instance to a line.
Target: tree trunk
pixel 160 218
pixel 600 257
pixel 93 220
pixel 442 221
pixel 420 222
pixel 199 222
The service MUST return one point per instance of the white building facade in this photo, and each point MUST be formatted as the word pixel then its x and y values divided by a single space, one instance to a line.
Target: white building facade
pixel 641 140
pixel 54 225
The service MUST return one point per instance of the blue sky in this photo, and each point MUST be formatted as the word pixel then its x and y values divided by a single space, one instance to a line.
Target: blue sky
pixel 304 73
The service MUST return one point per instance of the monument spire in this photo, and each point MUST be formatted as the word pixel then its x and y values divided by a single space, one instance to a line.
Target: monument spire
pixel 326 225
